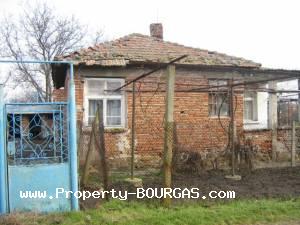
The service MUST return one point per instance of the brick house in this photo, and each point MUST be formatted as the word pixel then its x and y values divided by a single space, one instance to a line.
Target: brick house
pixel 201 116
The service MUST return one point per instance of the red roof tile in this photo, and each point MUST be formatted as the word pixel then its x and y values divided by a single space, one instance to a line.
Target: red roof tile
pixel 135 48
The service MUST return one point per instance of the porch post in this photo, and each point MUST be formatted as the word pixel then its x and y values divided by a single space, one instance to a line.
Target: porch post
pixel 3 186
pixel 169 132
pixel 73 140
pixel 273 121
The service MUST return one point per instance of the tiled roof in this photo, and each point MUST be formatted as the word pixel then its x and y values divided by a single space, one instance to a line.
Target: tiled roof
pixel 138 48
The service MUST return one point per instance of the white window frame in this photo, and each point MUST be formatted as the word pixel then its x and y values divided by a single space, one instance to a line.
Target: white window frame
pixel 104 98
pixel 253 99
pixel 217 81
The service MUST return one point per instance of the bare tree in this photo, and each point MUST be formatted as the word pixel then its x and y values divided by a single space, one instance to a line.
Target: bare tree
pixel 97 37
pixel 40 34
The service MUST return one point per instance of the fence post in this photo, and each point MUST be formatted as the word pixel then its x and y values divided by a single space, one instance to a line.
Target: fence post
pixel 273 117
pixel 102 151
pixel 169 126
pixel 88 157
pixel 132 131
pixel 293 144
pixel 3 186
pixel 232 129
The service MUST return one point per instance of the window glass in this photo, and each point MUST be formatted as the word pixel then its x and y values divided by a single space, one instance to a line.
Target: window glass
pixel 214 83
pixel 250 106
pixel 113 112
pixel 112 85
pixel 100 91
pixel 218 102
pixel 212 105
pixel 248 110
pixel 93 105
pixel 222 105
pixel 95 87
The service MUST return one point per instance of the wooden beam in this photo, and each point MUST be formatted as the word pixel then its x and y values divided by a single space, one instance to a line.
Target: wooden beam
pixel 102 150
pixel 88 157
pixel 169 134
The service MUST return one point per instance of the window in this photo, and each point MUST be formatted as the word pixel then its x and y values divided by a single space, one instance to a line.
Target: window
pixel 250 106
pixel 113 116
pixel 97 93
pixel 93 105
pixel 218 99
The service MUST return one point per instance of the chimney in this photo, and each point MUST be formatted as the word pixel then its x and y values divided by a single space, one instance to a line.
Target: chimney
pixel 156 30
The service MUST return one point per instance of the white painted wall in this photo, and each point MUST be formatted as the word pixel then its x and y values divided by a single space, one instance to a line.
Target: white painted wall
pixel 262 113
pixel 262 105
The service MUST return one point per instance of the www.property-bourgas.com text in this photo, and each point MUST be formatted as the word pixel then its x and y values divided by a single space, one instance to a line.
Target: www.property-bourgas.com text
pixel 176 193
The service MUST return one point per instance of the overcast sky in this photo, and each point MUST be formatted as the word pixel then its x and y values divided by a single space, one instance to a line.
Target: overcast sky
pixel 263 31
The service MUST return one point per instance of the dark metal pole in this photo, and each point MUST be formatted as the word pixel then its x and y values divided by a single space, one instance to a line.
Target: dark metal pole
pixel 232 142
pixel 245 83
pixel 133 130
pixel 151 72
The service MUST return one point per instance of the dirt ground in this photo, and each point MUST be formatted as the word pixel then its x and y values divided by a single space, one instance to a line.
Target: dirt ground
pixel 260 183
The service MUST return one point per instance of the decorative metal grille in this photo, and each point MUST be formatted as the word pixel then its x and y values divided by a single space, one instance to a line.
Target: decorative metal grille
pixel 37 133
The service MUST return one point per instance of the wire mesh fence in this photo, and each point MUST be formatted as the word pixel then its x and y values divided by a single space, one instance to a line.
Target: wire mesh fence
pixel 196 167
pixel 201 155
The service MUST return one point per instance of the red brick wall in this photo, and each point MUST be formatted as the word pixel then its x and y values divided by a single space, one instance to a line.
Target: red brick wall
pixel 195 130
pixel 260 138
pixel 59 95
pixel 79 91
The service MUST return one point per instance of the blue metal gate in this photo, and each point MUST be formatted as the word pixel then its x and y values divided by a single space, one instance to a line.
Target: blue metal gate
pixel 37 155
pixel 38 152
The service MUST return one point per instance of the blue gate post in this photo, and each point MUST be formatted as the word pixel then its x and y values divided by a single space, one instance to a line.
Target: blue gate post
pixel 3 186
pixel 73 140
